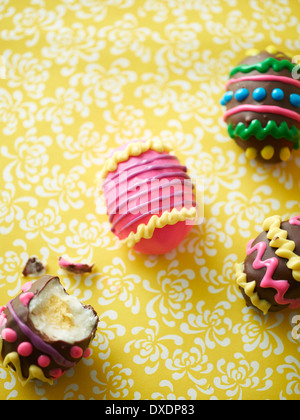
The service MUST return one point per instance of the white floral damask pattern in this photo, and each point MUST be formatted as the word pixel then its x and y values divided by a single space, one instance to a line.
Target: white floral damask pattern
pixel 83 77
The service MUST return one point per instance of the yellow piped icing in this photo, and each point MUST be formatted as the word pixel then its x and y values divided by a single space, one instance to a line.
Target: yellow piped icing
pixel 285 246
pixel 285 154
pixel 34 371
pixel 252 52
pixel 133 149
pixel 158 222
pixel 271 49
pixel 251 153
pixel 267 152
pixel 249 289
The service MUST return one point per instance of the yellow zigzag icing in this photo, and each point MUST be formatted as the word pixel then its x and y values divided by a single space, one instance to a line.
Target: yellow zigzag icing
pixel 167 218
pixel 34 371
pixel 285 246
pixel 249 288
pixel 133 149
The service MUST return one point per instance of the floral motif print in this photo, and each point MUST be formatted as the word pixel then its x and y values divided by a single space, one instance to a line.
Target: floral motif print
pixel 79 78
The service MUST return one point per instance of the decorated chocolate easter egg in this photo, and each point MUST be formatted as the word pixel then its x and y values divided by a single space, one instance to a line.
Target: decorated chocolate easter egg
pixel 44 331
pixel 269 278
pixel 262 102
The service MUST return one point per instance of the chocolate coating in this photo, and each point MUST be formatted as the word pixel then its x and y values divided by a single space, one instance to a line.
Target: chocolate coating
pixel 246 117
pixel 282 272
pixel 33 267
pixel 16 317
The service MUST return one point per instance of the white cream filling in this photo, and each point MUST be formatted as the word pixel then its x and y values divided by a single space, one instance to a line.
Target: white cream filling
pixel 60 316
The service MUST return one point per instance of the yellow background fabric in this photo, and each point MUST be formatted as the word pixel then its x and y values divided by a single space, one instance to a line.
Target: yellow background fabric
pixel 82 77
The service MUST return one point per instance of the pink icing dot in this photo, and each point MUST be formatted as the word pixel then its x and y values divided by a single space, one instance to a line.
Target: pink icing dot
pixel 56 373
pixel 44 361
pixel 87 353
pixel 9 335
pixel 25 298
pixel 26 286
pixel 25 349
pixel 76 352
pixel 295 220
pixel 2 309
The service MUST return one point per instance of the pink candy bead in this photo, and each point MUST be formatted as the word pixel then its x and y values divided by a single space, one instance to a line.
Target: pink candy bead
pixel 9 335
pixel 44 361
pixel 76 352
pixel 25 349
pixel 56 373
pixel 87 353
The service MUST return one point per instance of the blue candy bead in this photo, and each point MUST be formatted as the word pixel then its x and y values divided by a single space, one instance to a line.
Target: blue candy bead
pixel 295 100
pixel 277 94
pixel 241 94
pixel 227 97
pixel 259 94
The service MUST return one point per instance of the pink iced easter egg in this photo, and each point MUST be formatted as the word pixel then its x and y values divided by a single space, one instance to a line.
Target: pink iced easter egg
pixel 149 197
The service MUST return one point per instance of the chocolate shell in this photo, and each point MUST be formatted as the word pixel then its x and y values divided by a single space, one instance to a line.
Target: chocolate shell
pixel 38 331
pixel 34 267
pixel 76 268
pixel 263 106
pixel 269 278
